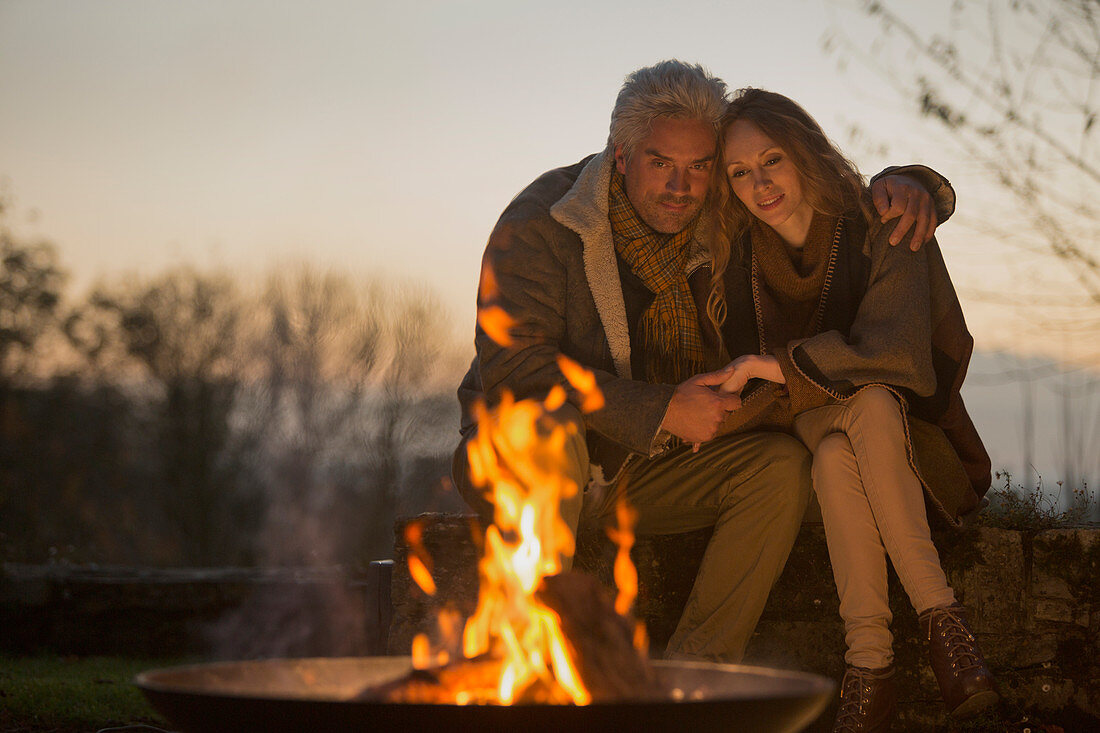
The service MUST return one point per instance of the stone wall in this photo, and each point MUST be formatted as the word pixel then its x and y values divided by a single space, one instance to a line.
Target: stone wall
pixel 1034 602
pixel 207 613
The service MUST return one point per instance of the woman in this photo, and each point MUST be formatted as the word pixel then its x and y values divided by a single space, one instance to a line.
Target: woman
pixel 862 348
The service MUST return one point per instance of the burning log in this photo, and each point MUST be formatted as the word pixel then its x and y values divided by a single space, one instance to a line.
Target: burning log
pixel 601 643
pixel 604 650
pixel 476 677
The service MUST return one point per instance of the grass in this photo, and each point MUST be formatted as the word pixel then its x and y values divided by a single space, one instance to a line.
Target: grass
pixel 63 694
pixel 1012 506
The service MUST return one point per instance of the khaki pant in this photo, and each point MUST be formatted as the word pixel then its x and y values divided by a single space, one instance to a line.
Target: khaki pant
pixel 753 489
pixel 872 505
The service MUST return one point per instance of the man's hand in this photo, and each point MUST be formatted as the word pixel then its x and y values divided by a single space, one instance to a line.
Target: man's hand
pixel 746 367
pixel 901 196
pixel 697 410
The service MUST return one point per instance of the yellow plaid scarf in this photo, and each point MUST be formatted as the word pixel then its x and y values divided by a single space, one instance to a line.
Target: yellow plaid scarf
pixel 672 341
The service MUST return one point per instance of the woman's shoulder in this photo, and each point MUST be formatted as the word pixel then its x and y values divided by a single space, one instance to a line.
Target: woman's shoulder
pixel 864 228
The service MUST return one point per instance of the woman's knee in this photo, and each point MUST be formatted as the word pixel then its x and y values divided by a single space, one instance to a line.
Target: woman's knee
pixel 832 457
pixel 876 405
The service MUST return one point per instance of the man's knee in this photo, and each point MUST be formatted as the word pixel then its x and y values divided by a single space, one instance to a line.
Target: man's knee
pixel 789 463
pixel 780 472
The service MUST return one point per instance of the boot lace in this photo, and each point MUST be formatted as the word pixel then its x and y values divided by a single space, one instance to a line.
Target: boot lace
pixel 855 693
pixel 959 642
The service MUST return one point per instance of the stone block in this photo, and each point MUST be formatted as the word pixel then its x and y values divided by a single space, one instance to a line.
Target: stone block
pixel 1059 611
pixel 986 567
pixel 1065 563
pixel 452 542
pixel 806 590
pixel 1020 651
pixel 1087 697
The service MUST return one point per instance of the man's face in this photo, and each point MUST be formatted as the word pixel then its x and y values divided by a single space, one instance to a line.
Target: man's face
pixel 668 172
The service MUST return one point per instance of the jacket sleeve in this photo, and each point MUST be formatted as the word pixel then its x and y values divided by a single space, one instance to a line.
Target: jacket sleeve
pixel 943 194
pixel 890 341
pixel 533 286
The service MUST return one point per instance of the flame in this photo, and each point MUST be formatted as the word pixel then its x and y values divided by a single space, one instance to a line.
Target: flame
pixel 488 288
pixel 583 381
pixel 496 323
pixel 555 398
pixel 517 457
pixel 641 638
pixel 494 320
pixel 626 575
pixel 419 560
pixel 421 652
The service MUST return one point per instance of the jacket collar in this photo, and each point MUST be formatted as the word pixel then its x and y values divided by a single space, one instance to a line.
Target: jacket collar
pixel 583 209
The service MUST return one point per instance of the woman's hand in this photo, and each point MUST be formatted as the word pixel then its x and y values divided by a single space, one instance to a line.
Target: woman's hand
pixel 752 366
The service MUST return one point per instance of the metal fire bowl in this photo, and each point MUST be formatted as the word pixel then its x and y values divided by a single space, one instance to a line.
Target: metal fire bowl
pixel 317 694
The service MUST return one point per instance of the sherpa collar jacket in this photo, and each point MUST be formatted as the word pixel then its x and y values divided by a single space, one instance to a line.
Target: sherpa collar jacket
pixel 559 277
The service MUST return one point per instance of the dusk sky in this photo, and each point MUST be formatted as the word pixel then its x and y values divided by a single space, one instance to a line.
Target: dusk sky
pixel 381 137
pixel 385 138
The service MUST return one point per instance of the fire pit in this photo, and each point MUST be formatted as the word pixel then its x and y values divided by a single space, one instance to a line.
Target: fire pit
pixel 320 694
pixel 545 650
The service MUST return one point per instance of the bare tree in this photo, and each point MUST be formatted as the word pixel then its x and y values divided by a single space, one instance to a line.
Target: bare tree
pixel 179 334
pixel 1013 87
pixel 340 384
pixel 31 284
pixel 339 379
pixel 421 364
pixel 314 349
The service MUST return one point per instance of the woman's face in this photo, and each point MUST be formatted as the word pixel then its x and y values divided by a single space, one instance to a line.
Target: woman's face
pixel 766 181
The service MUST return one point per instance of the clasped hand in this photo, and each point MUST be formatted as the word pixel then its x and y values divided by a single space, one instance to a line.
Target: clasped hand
pixel 700 404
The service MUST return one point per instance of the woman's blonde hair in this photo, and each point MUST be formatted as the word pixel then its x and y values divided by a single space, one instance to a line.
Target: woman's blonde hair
pixel 831 183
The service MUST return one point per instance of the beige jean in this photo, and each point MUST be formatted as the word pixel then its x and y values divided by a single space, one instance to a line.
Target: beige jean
pixel 753 489
pixel 872 506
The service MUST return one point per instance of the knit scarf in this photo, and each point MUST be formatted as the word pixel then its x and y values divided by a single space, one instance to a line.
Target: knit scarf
pixel 792 278
pixel 671 339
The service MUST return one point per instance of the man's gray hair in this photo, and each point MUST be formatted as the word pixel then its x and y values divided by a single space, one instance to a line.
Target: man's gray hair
pixel 672 89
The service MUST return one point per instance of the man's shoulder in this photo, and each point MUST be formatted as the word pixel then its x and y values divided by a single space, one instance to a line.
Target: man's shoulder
pixel 545 191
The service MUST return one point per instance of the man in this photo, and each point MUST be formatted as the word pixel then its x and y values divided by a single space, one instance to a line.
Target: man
pixel 607 262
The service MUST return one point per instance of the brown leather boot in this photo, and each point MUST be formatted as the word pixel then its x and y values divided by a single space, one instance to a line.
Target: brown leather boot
pixel 965 681
pixel 868 701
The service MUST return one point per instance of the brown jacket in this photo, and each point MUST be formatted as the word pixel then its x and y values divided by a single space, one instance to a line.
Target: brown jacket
pixel 891 317
pixel 559 276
